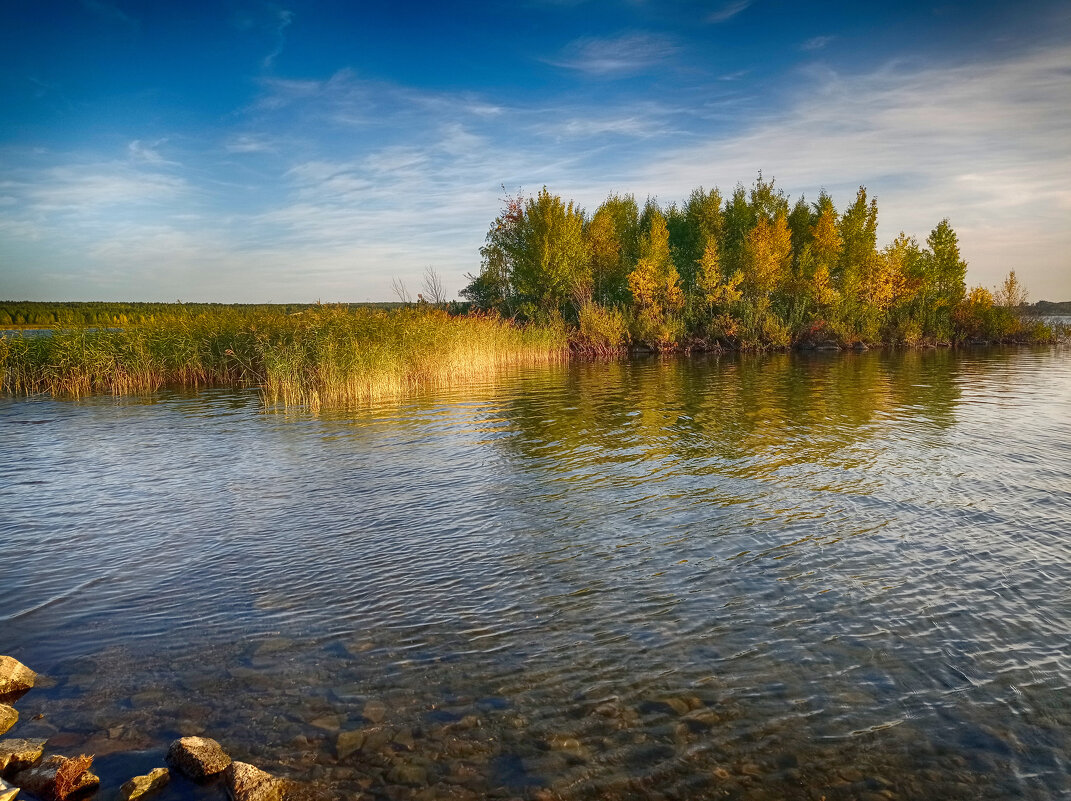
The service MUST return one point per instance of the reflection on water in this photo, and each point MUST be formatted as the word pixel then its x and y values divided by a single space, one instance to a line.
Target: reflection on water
pixel 782 576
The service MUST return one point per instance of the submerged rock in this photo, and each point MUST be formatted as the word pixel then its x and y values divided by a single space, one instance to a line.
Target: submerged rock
pixel 197 758
pixel 15 679
pixel 16 755
pixel 7 792
pixel 59 778
pixel 8 717
pixel 141 786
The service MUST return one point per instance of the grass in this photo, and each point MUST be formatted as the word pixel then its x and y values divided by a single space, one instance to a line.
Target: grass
pixel 321 357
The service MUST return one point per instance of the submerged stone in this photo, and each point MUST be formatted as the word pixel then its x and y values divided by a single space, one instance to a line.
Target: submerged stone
pixel 18 754
pixel 141 786
pixel 8 717
pixel 197 758
pixel 15 679
pixel 374 711
pixel 58 778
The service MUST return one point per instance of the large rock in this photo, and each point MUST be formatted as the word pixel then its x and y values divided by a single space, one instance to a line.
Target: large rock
pixel 59 778
pixel 141 786
pixel 7 792
pixel 198 758
pixel 16 755
pixel 15 679
pixel 8 717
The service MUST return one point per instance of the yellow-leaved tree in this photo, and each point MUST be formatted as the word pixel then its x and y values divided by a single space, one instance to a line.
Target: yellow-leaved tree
pixel 657 297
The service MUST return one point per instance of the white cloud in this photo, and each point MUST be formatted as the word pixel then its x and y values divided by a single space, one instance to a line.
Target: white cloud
pixel 621 55
pixel 250 143
pixel 148 154
pixel 728 11
pixel 816 42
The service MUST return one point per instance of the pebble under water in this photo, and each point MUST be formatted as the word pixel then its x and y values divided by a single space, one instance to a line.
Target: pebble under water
pixel 787 576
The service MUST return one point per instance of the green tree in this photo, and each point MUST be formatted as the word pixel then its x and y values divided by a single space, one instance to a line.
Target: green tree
pixel 613 241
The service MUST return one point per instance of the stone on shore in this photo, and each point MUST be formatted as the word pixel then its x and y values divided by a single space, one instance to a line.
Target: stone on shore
pixel 16 755
pixel 247 782
pixel 141 786
pixel 8 717
pixel 197 758
pixel 15 679
pixel 58 778
pixel 7 792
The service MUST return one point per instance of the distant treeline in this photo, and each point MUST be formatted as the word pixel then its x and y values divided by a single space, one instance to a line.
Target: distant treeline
pixel 1048 307
pixel 113 314
pixel 750 270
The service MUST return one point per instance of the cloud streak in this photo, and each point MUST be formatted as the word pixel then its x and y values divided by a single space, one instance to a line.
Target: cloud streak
pixel 621 55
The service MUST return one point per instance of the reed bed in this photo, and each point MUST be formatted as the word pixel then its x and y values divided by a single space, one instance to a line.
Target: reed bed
pixel 321 357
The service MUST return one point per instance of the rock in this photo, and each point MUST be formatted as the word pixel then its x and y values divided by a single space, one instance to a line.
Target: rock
pixel 374 711
pixel 678 705
pixel 16 755
pixel 58 778
pixel 15 679
pixel 348 742
pixel 143 785
pixel 246 782
pixel 407 773
pixel 8 717
pixel 198 758
pixel 371 738
pixel 7 792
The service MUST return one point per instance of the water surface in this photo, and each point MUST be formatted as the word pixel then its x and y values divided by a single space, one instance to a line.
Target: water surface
pixel 760 577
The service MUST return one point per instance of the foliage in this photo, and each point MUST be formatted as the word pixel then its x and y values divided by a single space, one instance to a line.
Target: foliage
pixel 749 271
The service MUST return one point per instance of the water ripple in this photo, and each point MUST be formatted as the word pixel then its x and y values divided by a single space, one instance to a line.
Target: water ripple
pixel 704 577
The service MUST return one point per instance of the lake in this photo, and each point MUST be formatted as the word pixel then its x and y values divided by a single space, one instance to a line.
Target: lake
pixel 782 576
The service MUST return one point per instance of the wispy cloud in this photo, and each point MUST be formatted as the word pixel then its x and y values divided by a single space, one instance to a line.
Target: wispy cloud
pixel 620 55
pixel 816 42
pixel 249 143
pixel 728 11
pixel 280 21
pixel 147 153
pixel 110 12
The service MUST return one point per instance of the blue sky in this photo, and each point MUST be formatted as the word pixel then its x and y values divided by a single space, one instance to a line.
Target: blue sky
pixel 292 151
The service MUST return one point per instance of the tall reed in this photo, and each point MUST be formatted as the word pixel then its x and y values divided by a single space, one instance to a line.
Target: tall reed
pixel 324 356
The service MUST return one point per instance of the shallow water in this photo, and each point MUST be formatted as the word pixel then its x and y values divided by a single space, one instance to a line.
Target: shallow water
pixel 760 577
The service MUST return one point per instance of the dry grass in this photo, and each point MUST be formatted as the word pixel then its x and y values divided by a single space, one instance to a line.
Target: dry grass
pixel 326 356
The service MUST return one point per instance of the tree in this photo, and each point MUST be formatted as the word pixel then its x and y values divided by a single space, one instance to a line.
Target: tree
pixel 433 287
pixel 1011 292
pixel 535 257
pixel 859 234
pixel 493 287
pixel 613 242
pixel 715 291
pixel 655 285
pixel 769 256
pixel 948 269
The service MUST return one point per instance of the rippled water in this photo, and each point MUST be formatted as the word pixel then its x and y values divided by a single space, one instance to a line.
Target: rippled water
pixel 761 577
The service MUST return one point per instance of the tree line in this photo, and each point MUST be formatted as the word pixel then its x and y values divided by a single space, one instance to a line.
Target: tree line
pixel 748 270
pixel 115 314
